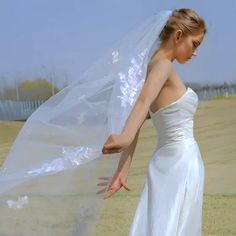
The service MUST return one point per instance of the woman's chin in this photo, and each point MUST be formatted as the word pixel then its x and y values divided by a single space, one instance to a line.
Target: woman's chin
pixel 182 61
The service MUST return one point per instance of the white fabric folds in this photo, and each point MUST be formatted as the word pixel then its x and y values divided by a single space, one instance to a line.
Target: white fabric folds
pixel 48 182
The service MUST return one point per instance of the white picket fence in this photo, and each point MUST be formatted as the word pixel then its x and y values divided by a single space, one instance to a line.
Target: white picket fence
pixel 17 110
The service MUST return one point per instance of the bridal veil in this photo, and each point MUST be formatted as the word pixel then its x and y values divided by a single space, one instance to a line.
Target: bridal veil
pixel 48 182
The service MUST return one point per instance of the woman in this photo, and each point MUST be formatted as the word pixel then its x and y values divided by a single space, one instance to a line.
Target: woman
pixel 171 201
pixel 49 179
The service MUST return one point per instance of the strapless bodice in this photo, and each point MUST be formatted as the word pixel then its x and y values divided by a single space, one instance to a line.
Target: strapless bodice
pixel 174 122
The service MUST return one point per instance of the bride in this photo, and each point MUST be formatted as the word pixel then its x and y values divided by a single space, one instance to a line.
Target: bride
pixel 49 179
pixel 171 201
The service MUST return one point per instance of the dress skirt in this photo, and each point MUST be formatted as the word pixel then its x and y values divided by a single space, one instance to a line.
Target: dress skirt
pixel 172 197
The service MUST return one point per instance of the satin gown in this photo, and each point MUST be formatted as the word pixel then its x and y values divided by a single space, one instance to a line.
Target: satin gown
pixel 172 197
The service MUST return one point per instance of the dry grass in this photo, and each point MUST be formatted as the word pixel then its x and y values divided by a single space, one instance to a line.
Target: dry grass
pixel 215 131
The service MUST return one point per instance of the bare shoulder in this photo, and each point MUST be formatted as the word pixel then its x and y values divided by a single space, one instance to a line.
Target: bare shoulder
pixel 161 65
pixel 157 76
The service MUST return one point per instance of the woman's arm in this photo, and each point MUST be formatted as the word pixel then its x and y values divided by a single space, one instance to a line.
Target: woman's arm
pixel 119 179
pixel 157 77
pixel 127 155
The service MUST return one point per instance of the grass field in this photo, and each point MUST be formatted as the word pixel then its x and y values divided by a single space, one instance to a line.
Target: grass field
pixel 215 132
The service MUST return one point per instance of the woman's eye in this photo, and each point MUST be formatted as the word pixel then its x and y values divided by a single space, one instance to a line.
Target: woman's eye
pixel 195 45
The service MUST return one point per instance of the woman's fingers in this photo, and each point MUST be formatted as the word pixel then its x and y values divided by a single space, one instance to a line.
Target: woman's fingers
pixel 107 179
pixel 101 191
pixel 126 187
pixel 107 150
pixel 112 150
pixel 104 178
pixel 104 189
pixel 110 192
pixel 102 184
pixel 112 186
pixel 110 145
pixel 114 144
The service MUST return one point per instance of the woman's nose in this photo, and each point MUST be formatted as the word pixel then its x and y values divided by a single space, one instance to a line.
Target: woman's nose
pixel 195 53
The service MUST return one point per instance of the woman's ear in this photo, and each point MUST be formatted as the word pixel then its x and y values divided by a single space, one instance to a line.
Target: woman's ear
pixel 178 35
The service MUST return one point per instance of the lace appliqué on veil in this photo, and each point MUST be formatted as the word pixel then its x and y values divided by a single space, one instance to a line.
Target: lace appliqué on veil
pixel 132 81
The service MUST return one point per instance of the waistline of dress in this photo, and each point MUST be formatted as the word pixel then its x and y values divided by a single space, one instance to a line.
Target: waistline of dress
pixel 175 142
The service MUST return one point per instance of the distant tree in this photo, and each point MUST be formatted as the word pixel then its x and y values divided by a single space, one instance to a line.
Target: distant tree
pixel 38 89
pixel 9 94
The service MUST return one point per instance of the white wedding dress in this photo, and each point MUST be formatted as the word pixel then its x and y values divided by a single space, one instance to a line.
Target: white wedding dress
pixel 172 197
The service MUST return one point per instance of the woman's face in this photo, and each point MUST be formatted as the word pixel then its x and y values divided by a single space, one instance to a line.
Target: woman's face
pixel 187 47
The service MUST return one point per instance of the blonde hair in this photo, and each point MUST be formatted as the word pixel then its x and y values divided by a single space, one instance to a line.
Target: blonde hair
pixel 184 19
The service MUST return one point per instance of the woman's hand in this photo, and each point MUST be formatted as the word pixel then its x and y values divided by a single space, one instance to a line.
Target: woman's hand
pixel 116 143
pixel 115 183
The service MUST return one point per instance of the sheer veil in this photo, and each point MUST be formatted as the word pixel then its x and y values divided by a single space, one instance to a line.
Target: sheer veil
pixel 48 182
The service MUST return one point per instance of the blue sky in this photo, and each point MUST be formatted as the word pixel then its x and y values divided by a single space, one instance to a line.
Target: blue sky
pixel 66 36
